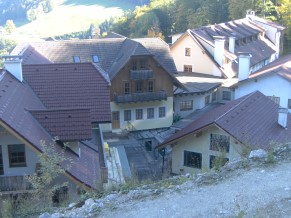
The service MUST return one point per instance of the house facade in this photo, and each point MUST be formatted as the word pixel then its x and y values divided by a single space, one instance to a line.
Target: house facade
pixel 229 132
pixel 53 104
pixel 141 73
pixel 272 80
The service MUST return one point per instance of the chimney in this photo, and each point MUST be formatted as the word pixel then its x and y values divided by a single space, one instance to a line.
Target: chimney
pixel 244 60
pixel 12 64
pixel 250 14
pixel 231 43
pixel 219 49
pixel 283 117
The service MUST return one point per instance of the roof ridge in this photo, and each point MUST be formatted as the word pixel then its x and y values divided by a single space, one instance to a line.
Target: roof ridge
pixel 236 105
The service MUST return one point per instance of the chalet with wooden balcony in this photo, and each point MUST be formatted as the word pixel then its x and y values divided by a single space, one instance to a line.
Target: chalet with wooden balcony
pixel 141 74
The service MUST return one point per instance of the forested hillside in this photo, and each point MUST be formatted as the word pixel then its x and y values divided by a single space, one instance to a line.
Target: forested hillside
pixel 165 17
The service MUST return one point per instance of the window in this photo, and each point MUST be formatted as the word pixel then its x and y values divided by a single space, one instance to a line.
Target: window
pixel 275 99
pixel 138 114
pixel 186 105
pixel 213 96
pixel 150 113
pixel 95 59
pixel 162 112
pixel 17 155
pixel 226 95
pixel 127 115
pixel 187 51
pixel 1 162
pixel 207 100
pixel 150 86
pixel 76 59
pixel 219 142
pixel 134 65
pixel 213 160
pixel 192 159
pixel 126 87
pixel 289 103
pixel 139 86
pixel 148 145
pixel 143 64
pixel 188 68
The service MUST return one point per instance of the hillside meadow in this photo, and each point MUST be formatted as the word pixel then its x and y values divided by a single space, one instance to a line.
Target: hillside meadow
pixel 71 16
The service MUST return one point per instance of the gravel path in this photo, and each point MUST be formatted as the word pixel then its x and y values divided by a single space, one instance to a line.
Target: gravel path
pixel 257 192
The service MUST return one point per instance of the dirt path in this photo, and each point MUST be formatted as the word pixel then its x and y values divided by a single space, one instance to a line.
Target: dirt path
pixel 258 192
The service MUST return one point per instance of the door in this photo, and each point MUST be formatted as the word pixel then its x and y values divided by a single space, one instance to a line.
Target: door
pixel 115 120
pixel 1 162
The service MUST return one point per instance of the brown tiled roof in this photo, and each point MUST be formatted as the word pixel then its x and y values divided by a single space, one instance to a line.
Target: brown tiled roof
pixel 113 53
pixel 16 100
pixel 71 85
pixel 66 124
pixel 252 120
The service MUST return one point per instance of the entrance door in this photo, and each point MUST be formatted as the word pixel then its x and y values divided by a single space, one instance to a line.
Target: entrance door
pixel 115 120
pixel 1 162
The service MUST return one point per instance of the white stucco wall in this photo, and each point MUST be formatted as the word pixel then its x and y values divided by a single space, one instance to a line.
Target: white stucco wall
pixel 199 60
pixel 146 123
pixel 106 127
pixel 198 103
pixel 201 144
pixel 272 85
pixel 30 156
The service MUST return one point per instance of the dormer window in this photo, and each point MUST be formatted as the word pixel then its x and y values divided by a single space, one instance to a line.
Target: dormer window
pixel 76 59
pixel 95 59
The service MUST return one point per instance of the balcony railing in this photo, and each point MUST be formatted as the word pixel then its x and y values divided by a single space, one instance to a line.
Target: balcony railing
pixel 141 97
pixel 14 183
pixel 141 74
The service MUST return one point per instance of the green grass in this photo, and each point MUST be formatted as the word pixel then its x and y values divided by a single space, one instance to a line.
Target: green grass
pixel 71 16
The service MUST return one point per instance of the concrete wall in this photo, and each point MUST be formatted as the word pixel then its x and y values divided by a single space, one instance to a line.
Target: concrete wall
pixel 146 123
pixel 199 60
pixel 201 144
pixel 272 85
pixel 31 158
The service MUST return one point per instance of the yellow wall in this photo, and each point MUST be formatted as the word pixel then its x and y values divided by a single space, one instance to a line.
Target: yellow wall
pixel 199 60
pixel 201 144
pixel 146 123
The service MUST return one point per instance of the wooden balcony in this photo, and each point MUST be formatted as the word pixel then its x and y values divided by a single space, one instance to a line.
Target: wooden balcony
pixel 14 183
pixel 141 74
pixel 141 97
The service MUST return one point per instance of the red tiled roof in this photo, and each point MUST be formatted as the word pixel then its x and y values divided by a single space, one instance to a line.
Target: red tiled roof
pixel 66 124
pixel 252 120
pixel 71 85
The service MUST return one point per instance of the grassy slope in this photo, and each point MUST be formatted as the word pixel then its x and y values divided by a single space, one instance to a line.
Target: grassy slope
pixel 69 17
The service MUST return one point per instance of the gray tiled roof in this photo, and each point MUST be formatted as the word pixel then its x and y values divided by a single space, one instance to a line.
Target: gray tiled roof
pixel 252 120
pixel 260 49
pixel 113 53
pixel 196 83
